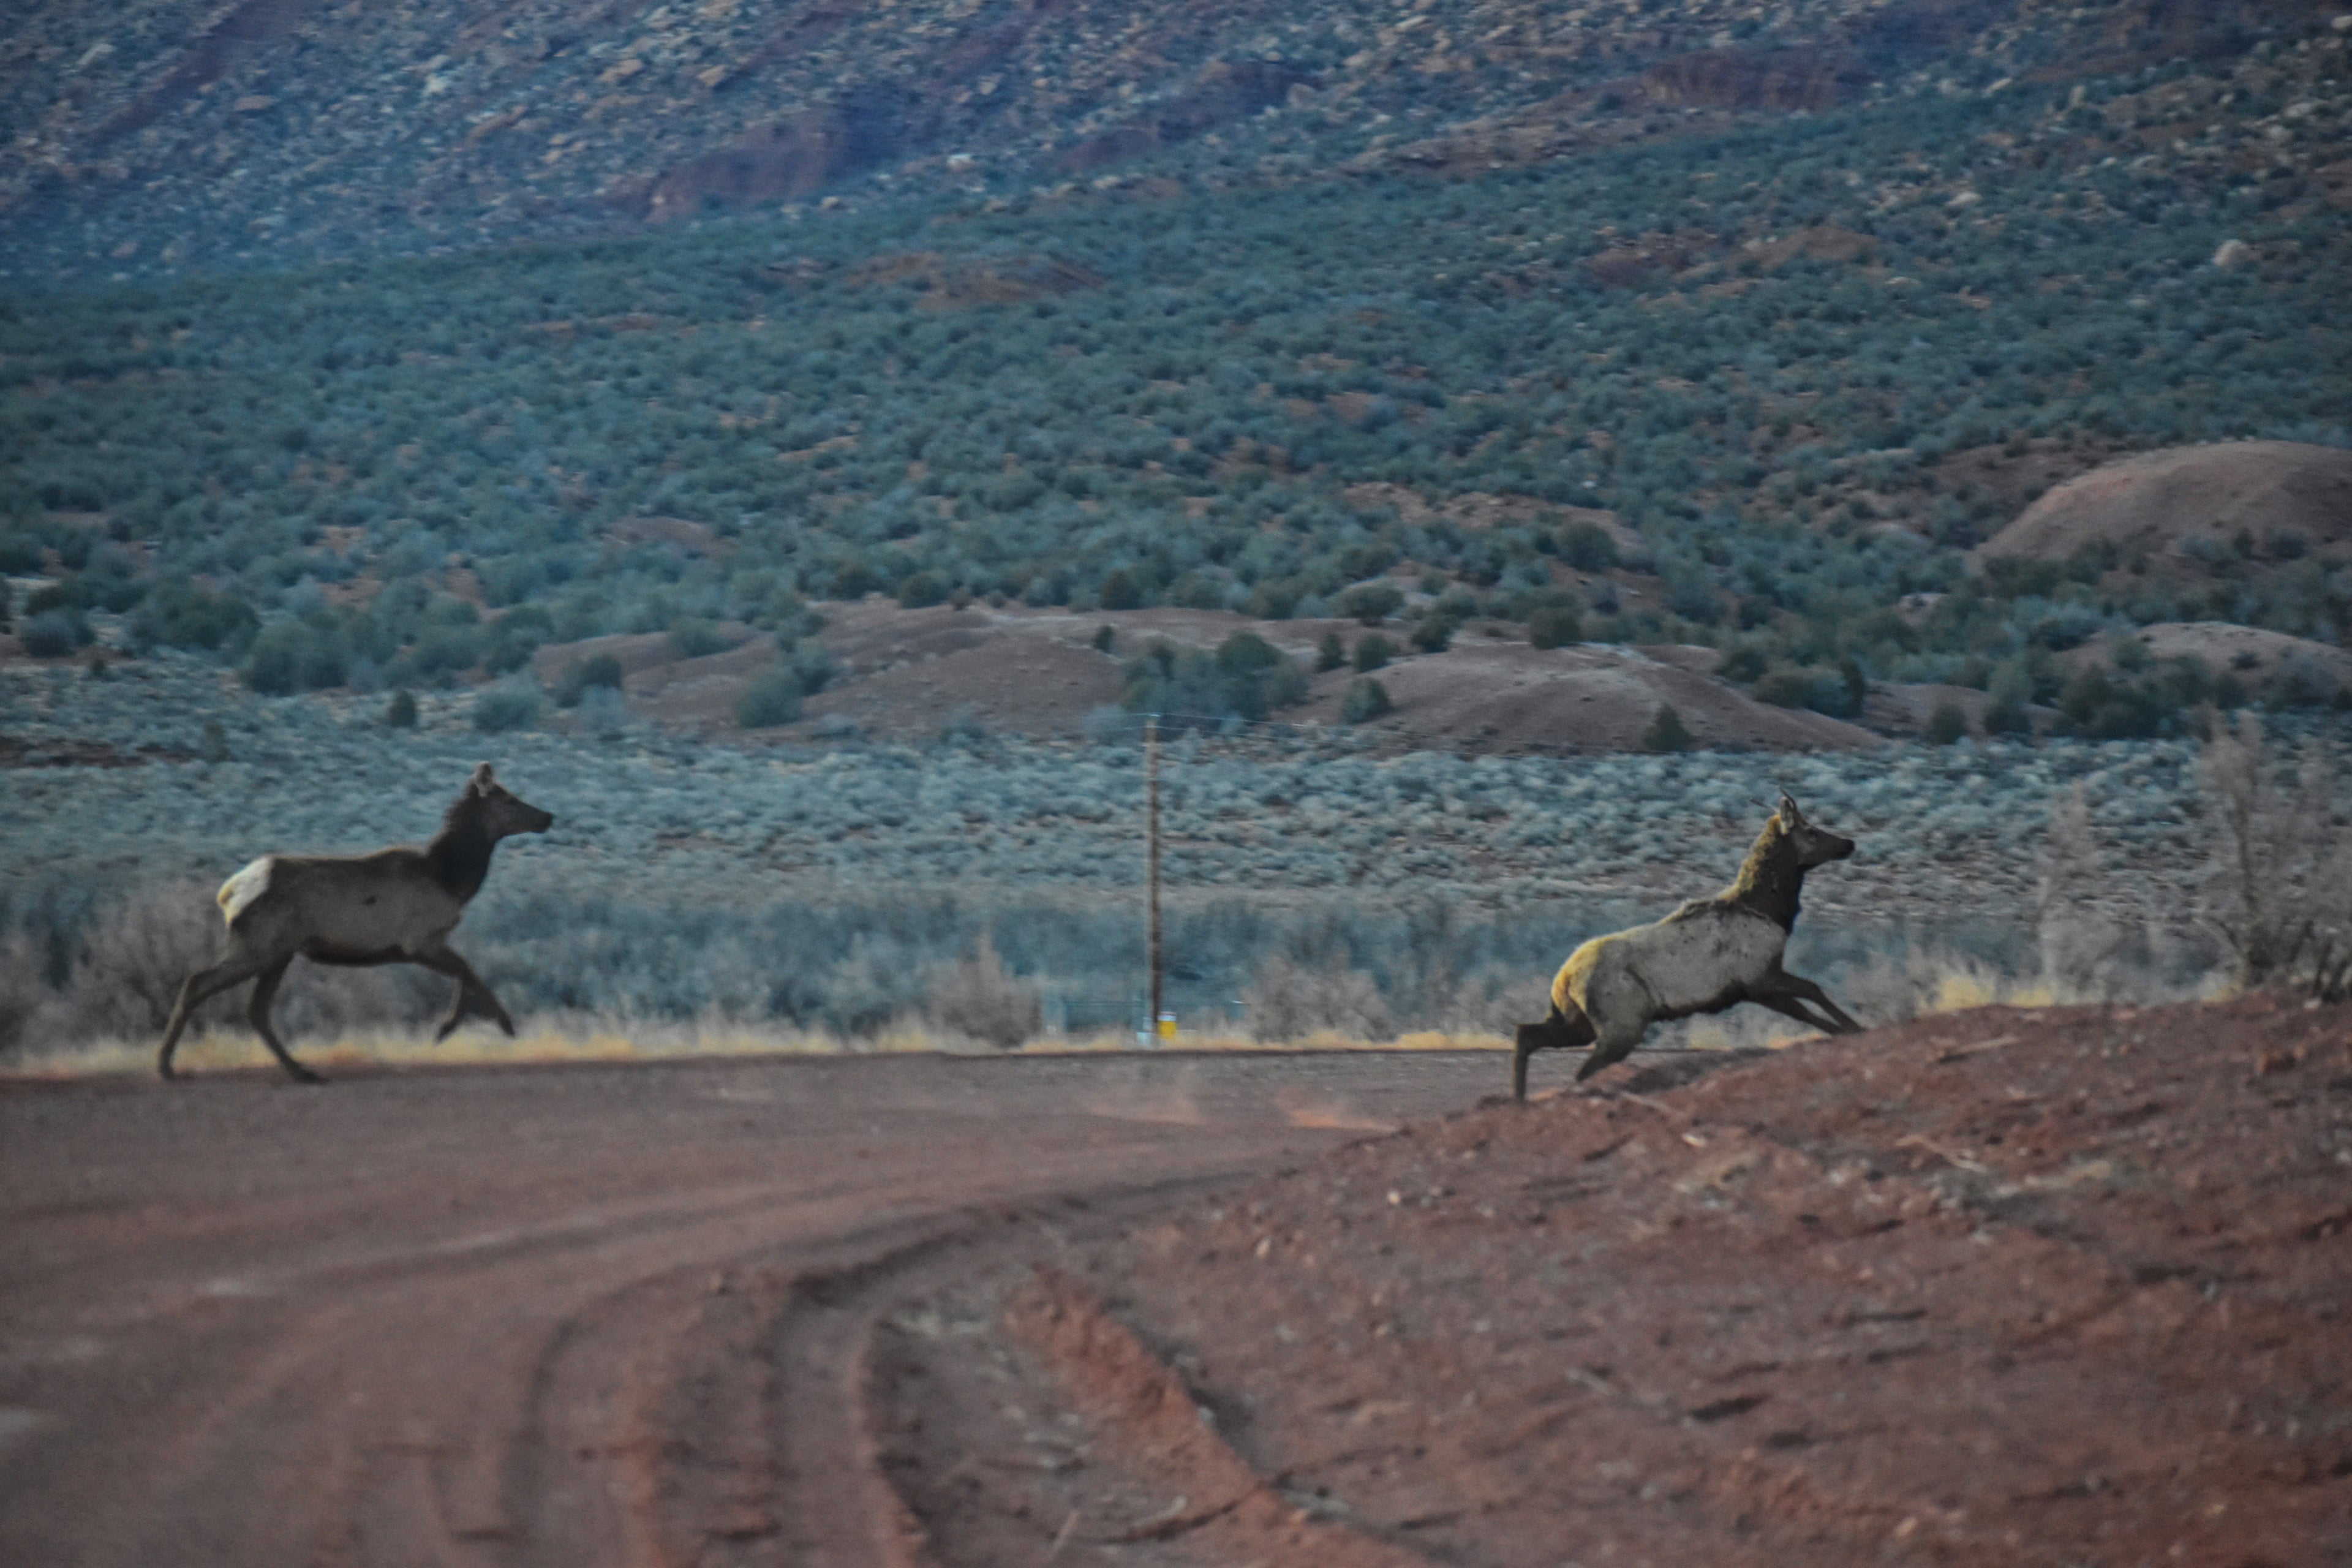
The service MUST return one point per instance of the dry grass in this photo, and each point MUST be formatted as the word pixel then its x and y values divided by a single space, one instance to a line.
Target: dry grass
pixel 553 1039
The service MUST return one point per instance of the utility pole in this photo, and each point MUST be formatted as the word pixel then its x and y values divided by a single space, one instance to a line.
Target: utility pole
pixel 1151 835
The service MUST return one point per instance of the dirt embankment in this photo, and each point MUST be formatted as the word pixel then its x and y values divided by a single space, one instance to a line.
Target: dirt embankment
pixel 2184 510
pixel 2006 1287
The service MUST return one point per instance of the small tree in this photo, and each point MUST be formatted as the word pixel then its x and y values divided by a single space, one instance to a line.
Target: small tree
pixel 921 590
pixel 770 698
pixel 1553 626
pixel 1120 591
pixel 1372 603
pixel 1667 733
pixel 1330 653
pixel 1947 723
pixel 1433 633
pixel 1366 700
pixel 400 713
pixel 1373 652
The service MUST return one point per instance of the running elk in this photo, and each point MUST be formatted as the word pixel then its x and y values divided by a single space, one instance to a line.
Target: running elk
pixel 1708 956
pixel 395 905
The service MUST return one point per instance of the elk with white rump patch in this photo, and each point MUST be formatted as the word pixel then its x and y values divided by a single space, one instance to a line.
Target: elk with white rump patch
pixel 395 905
pixel 1708 956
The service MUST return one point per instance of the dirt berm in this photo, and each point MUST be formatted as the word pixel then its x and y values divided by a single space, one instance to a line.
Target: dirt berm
pixel 2056 1287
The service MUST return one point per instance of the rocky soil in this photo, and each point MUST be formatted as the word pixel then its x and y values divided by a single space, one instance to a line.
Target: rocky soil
pixel 2013 1288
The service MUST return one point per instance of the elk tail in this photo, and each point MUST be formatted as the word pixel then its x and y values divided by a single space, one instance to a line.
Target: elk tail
pixel 239 892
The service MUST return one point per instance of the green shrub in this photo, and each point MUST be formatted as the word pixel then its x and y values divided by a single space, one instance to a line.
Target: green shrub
pixel 1554 626
pixel 1433 633
pixel 1330 653
pixel 499 710
pixel 1666 732
pixel 1119 592
pixel 1823 690
pixel 515 635
pixel 693 636
pixel 597 669
pixel 772 696
pixel 297 655
pixel 1947 724
pixel 1588 547
pixel 2007 718
pixel 179 614
pixel 921 590
pixel 54 633
pixel 1371 602
pixel 813 666
pixel 1366 700
pixel 1106 638
pixel 1373 652
pixel 400 713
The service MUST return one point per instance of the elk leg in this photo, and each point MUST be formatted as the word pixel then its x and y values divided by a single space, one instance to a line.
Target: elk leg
pixel 1614 1040
pixel 1555 1033
pixel 445 961
pixel 1620 1008
pixel 257 1012
pixel 1798 987
pixel 195 992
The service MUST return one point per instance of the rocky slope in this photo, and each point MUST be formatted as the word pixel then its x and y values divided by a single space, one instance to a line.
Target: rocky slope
pixel 154 134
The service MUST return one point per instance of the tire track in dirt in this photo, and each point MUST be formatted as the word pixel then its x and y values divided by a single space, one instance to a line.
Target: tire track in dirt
pixel 506 1318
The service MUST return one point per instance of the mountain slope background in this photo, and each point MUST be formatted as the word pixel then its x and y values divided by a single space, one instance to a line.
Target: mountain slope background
pixel 1681 324
pixel 165 133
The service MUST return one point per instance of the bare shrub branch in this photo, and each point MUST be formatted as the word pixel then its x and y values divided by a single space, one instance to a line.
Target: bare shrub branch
pixel 1286 1002
pixel 2279 888
pixel 977 998
pixel 24 996
pixel 128 973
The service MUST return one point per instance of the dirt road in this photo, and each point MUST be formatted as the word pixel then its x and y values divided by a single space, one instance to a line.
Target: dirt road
pixel 570 1315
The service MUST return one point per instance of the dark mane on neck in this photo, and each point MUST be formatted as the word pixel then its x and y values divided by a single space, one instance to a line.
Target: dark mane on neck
pixel 1770 881
pixel 459 854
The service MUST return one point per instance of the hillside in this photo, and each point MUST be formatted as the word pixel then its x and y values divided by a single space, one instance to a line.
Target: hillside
pixel 1681 327
pixel 146 134
pixel 2190 511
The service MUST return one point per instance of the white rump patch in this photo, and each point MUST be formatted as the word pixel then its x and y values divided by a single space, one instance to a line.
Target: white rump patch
pixel 236 895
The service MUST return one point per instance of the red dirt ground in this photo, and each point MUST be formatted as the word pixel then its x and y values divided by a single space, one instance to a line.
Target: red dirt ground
pixel 2051 1287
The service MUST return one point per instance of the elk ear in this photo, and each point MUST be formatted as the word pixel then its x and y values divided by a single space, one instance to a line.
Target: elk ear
pixel 1790 816
pixel 482 780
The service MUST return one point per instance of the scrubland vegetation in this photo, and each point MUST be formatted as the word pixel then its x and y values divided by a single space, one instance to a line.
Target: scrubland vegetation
pixel 991 889
pixel 1773 351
